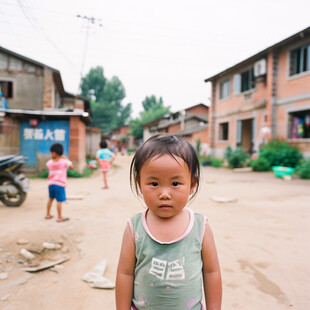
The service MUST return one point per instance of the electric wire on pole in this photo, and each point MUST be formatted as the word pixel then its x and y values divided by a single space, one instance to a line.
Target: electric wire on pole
pixel 90 21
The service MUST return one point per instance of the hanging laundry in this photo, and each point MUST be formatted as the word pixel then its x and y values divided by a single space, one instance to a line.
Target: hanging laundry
pixel 307 120
pixel 300 131
pixel 295 127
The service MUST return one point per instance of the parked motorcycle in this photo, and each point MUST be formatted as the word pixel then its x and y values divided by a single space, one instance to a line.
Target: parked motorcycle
pixel 13 183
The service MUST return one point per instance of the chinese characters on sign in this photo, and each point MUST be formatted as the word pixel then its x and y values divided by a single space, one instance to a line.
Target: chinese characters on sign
pixel 39 134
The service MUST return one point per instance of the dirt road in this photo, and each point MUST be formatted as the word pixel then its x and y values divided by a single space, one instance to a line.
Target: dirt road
pixel 262 240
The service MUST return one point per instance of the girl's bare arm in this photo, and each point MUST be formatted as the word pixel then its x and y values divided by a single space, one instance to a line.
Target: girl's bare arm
pixel 211 272
pixel 125 272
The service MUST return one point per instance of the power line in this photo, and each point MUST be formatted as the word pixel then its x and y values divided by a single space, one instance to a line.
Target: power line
pixel 90 21
pixel 38 28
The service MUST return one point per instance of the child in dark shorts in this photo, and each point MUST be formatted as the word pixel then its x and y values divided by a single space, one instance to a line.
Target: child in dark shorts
pixel 57 179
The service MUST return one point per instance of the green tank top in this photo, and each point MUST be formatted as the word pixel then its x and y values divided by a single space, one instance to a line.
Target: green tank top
pixel 168 275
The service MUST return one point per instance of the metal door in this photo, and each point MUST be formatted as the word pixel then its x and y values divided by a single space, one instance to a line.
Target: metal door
pixel 39 139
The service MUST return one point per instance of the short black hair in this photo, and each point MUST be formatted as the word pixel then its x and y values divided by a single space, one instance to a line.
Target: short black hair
pixel 57 148
pixel 103 144
pixel 160 145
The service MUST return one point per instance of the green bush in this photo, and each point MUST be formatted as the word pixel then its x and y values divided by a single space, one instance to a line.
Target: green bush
pixel 43 174
pixel 198 146
pixel 70 173
pixel 216 162
pixel 236 158
pixel 303 169
pixel 205 160
pixel 260 164
pixel 280 153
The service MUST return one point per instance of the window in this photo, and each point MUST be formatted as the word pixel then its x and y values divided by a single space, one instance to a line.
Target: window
pixel 299 125
pixel 29 68
pixel 6 88
pixel 247 80
pixel 3 61
pixel 223 131
pixel 225 89
pixel 244 81
pixel 15 64
pixel 300 60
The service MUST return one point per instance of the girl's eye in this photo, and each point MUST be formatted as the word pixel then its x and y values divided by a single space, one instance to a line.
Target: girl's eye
pixel 154 184
pixel 175 183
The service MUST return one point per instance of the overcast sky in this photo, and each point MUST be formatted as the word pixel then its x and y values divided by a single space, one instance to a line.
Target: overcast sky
pixel 164 48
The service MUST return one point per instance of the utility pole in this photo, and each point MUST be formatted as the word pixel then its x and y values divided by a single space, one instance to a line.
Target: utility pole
pixel 90 21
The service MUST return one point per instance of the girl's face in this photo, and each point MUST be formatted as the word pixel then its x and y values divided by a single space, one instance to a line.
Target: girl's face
pixel 54 155
pixel 165 184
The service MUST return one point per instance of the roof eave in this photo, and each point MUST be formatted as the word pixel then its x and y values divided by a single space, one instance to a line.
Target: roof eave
pixel 299 35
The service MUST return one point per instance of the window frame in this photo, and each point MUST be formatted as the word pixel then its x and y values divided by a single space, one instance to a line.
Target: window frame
pixel 237 80
pixel 221 131
pixel 300 59
pixel 227 88
pixel 289 125
pixel 251 79
pixel 288 60
pixel 8 91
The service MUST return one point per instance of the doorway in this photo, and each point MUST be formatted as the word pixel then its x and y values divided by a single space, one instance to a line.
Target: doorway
pixel 246 134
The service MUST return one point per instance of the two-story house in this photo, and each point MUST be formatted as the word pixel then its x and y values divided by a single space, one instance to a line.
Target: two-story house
pixel 39 112
pixel 266 96
pixel 190 123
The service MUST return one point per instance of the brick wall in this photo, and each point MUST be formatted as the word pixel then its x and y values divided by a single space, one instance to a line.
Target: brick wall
pixel 174 128
pixel 9 136
pixel 48 88
pixel 77 143
pixel 199 109
pixel 203 135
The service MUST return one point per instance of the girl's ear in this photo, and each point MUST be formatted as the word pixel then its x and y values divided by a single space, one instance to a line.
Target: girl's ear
pixel 193 185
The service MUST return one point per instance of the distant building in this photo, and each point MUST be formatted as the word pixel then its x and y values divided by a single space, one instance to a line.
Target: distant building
pixel 121 138
pixel 39 112
pixel 190 123
pixel 266 96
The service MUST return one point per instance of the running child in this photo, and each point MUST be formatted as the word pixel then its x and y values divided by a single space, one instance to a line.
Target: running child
pixel 57 179
pixel 104 159
pixel 168 254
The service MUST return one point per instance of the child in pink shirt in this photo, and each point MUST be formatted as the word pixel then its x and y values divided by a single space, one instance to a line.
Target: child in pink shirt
pixel 57 179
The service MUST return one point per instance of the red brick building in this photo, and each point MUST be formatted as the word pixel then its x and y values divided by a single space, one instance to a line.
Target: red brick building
pixel 191 124
pixel 265 96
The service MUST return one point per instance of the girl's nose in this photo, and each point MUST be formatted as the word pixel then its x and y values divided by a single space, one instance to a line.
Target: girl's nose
pixel 164 195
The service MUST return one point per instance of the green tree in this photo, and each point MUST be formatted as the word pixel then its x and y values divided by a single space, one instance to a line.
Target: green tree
pixel 153 109
pixel 93 83
pixel 106 100
pixel 150 102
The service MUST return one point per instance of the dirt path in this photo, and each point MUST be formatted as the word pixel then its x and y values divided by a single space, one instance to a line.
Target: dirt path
pixel 262 240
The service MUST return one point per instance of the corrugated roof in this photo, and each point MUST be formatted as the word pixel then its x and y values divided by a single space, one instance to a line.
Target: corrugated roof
pixel 76 112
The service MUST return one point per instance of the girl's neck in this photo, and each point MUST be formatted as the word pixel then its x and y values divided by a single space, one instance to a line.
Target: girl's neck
pixel 168 229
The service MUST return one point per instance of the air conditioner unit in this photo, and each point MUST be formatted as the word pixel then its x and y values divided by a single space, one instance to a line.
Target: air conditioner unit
pixel 260 68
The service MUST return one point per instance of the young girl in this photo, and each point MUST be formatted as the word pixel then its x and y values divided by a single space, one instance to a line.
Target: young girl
pixel 57 180
pixel 168 250
pixel 104 159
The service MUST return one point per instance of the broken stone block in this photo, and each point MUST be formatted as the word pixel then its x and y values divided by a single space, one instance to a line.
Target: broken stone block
pixel 51 246
pixel 5 297
pixel 3 275
pixel 22 241
pixel 95 277
pixel 35 248
pixel 224 199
